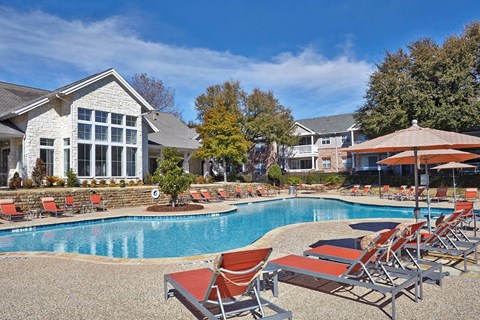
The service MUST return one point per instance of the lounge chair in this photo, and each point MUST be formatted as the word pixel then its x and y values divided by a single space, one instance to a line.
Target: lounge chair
pixel 391 255
pixel 72 205
pixel 234 277
pixel 400 192
pixel 352 191
pixel 222 194
pixel 441 242
pixel 440 195
pixel 420 191
pixel 196 197
pixel 250 192
pixel 96 202
pixel 50 207
pixel 263 193
pixel 365 191
pixel 404 195
pixel 471 194
pixel 208 196
pixel 386 191
pixel 355 273
pixel 239 193
pixel 9 211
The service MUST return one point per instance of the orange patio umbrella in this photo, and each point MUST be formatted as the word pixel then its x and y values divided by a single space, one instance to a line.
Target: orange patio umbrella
pixel 429 157
pixel 415 139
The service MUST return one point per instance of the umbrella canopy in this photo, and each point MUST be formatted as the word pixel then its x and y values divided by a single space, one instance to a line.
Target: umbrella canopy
pixel 454 165
pixel 417 138
pixel 429 156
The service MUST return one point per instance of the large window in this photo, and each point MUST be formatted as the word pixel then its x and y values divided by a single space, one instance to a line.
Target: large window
pixel 305 141
pixel 66 155
pixel 131 121
pixel 84 131
pixel 101 116
pixel 101 160
pixel 117 118
pixel 117 135
pixel 131 136
pixel 47 152
pixel 131 162
pixel 84 158
pixel 101 133
pixel 116 161
pixel 84 114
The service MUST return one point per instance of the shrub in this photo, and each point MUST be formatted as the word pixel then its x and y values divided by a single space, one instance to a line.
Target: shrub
pixel 93 183
pixel 131 183
pixel 139 182
pixel 15 182
pixel 103 183
pixel 200 180
pixel 72 180
pixel 247 178
pixel 60 183
pixel 121 183
pixel 39 172
pixel 84 183
pixel 50 181
pixel 294 180
pixel 275 173
pixel 28 183
pixel 209 179
pixel 112 183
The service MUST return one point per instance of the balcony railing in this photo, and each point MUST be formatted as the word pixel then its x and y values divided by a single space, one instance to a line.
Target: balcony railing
pixel 298 150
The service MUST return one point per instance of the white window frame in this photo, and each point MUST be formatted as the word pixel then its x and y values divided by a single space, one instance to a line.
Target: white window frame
pixel 50 148
pixel 326 163
pixel 326 140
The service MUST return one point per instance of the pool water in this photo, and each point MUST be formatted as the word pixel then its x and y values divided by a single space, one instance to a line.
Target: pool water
pixel 160 237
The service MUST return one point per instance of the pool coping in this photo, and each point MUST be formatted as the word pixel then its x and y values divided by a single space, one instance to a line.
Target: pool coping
pixel 263 241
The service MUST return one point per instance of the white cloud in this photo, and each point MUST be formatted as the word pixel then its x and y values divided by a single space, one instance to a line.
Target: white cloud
pixel 40 43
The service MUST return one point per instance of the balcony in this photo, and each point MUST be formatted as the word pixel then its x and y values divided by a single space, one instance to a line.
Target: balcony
pixel 301 151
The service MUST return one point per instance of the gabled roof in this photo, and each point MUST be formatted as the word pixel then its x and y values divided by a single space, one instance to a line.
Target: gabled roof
pixel 329 124
pixel 172 132
pixel 12 109
pixel 8 129
pixel 13 95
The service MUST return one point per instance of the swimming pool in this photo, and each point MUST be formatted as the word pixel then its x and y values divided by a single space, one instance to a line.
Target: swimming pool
pixel 161 237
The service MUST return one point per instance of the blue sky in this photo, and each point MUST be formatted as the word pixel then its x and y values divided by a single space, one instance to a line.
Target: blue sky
pixel 316 56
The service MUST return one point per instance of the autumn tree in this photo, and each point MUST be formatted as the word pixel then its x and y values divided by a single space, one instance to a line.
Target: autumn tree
pixel 159 96
pixel 222 137
pixel 437 85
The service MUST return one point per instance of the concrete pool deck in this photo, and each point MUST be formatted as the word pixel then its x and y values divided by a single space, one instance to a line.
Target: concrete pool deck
pixel 56 286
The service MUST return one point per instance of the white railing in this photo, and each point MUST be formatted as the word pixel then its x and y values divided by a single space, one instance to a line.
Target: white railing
pixel 308 149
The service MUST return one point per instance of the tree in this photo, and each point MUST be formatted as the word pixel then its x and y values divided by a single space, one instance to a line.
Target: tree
pixel 229 94
pixel 222 137
pixel 437 85
pixel 172 179
pixel 266 118
pixel 159 96
pixel 275 173
pixel 39 172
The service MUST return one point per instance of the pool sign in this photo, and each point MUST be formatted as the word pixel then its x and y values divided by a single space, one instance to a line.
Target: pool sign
pixel 155 193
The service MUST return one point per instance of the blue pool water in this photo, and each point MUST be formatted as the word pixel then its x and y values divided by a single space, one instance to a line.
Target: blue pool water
pixel 160 237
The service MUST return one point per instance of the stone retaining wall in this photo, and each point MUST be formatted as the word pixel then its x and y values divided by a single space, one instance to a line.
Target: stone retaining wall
pixel 115 197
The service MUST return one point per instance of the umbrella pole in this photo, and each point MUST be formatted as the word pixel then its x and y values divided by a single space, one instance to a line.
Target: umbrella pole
pixel 416 210
pixel 454 189
pixel 428 199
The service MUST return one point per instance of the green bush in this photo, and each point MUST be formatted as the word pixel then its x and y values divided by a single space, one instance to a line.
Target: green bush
pixel 60 183
pixel 72 180
pixel 93 183
pixel 112 183
pixel 275 173
pixel 247 178
pixel 50 181
pixel 84 183
pixel 294 180
pixel 28 183
pixel 131 183
pixel 103 183
pixel 121 183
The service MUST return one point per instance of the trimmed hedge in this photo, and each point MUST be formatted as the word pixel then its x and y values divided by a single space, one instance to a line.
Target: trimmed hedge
pixel 342 179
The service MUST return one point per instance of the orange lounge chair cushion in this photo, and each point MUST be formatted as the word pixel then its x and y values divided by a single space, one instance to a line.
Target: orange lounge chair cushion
pixel 195 281
pixel 346 253
pixel 10 210
pixel 314 265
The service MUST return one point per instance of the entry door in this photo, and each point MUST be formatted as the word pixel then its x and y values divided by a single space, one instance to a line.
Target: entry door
pixel 4 167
